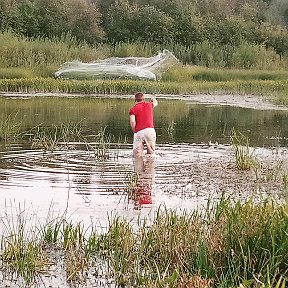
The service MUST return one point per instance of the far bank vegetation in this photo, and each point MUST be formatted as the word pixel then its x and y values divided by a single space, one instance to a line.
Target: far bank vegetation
pixel 215 41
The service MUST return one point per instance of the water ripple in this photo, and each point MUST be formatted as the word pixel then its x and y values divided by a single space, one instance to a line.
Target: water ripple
pixel 89 188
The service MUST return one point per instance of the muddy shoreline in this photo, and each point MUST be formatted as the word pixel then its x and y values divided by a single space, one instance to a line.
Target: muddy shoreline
pixel 244 101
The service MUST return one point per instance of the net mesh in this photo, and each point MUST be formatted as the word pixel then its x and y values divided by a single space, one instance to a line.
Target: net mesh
pixel 150 68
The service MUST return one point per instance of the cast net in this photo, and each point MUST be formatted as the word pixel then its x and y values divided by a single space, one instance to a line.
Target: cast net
pixel 150 68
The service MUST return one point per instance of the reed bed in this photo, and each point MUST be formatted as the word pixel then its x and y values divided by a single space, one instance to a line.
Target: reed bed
pixel 277 88
pixel 226 245
pixel 19 51
pixel 186 73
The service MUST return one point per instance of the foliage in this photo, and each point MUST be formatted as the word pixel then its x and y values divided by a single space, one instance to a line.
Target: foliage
pixel 185 22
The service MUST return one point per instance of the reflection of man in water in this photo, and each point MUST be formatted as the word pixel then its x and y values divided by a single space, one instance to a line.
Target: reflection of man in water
pixel 142 124
pixel 145 172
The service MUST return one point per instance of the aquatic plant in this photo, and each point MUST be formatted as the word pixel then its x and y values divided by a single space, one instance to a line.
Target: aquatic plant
pixel 186 73
pixel 103 145
pixel 9 126
pixel 228 244
pixel 43 54
pixel 21 251
pixel 52 137
pixel 245 159
pixel 171 129
pixel 131 187
pixel 76 259
pixel 27 259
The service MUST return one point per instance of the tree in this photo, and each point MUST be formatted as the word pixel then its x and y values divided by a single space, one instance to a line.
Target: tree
pixel 84 21
pixel 119 21
pixel 277 12
pixel 8 11
pixel 152 25
pixel 78 17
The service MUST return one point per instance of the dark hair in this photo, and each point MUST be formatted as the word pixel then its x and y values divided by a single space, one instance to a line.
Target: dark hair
pixel 139 96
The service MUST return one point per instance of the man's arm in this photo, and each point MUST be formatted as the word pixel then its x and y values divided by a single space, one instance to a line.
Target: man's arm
pixel 132 122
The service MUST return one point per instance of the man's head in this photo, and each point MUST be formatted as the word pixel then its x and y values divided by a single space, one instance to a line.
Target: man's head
pixel 139 97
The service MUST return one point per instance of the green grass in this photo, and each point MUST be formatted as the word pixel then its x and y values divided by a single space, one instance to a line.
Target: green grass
pixel 230 244
pixel 27 66
pixel 186 73
pixel 277 89
pixel 18 51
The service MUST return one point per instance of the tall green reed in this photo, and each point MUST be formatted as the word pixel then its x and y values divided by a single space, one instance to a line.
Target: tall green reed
pixel 252 240
pixel 46 55
pixel 18 51
pixel 273 89
pixel 239 244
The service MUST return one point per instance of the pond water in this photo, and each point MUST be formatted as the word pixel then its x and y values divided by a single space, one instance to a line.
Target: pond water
pixel 74 181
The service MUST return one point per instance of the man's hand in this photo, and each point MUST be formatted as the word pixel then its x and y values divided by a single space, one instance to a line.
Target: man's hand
pixel 155 102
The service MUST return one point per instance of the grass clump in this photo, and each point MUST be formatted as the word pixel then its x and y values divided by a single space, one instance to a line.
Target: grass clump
pixel 245 159
pixel 27 259
pixel 53 137
pixel 9 126
pixel 22 253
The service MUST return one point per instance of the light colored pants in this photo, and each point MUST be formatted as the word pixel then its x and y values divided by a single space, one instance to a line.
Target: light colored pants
pixel 143 137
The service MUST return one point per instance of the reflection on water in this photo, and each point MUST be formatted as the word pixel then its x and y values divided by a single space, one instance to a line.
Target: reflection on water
pixel 74 183
pixel 176 121
pixel 144 168
pixel 186 170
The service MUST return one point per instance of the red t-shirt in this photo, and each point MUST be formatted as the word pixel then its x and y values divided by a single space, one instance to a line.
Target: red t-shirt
pixel 143 112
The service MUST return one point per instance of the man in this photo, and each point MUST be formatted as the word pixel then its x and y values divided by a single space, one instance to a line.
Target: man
pixel 142 124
